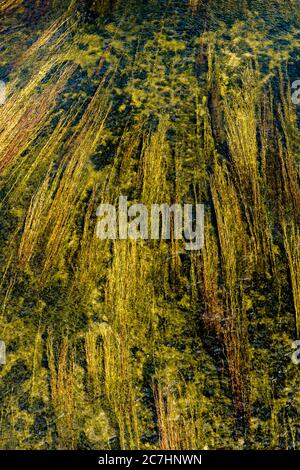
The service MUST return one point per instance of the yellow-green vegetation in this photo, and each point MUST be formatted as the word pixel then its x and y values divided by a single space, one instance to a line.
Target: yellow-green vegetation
pixel 140 344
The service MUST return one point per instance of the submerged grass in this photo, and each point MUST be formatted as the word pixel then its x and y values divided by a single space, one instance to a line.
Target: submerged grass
pixel 135 345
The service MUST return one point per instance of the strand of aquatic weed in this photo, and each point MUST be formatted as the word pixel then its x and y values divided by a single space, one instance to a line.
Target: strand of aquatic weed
pixel 130 309
pixel 289 192
pixel 7 6
pixel 288 152
pixel 52 42
pixel 291 238
pixel 34 225
pixel 236 265
pixel 24 115
pixel 36 218
pixel 241 131
pixel 154 165
pixel 179 408
pixel 93 253
pixel 93 354
pixel 72 181
pixel 69 169
pixel 62 389
pixel 40 158
pixel 26 110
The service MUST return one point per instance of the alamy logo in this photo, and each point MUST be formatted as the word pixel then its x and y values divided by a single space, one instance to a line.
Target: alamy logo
pixel 2 92
pixel 292 129
pixel 2 353
pixel 296 354
pixel 176 221
pixel 296 93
